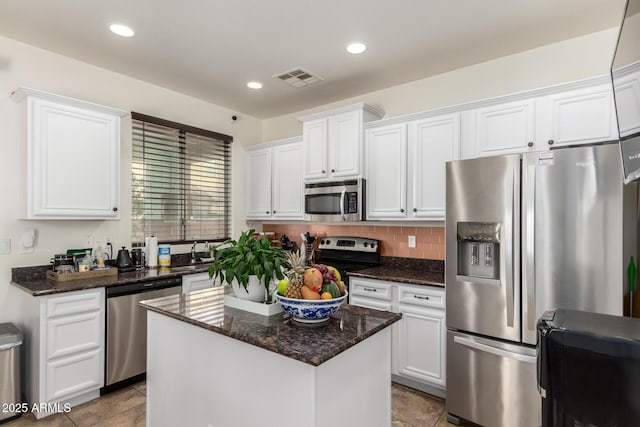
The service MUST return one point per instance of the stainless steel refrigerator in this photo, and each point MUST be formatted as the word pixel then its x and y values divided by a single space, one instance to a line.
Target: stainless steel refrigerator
pixel 526 233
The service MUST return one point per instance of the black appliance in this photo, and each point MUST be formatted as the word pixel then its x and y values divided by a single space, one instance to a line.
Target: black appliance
pixel 348 254
pixel 124 262
pixel 588 369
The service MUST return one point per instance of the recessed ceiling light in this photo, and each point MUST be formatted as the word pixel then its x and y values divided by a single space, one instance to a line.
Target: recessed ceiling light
pixel 121 30
pixel 356 48
pixel 254 85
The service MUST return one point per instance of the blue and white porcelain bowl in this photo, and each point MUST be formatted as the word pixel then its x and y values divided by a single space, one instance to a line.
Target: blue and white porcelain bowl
pixel 311 311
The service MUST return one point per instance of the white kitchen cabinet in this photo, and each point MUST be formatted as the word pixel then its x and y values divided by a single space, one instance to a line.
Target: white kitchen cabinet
pixel 333 141
pixel 500 129
pixel 556 118
pixel 274 180
pixel 71 151
pixel 64 354
pixel 421 334
pixel 418 340
pixel 627 88
pixel 386 154
pixel 579 116
pixel 406 167
pixel 196 282
pixel 432 143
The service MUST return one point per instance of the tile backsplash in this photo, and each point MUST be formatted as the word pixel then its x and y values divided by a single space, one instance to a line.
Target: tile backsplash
pixel 429 240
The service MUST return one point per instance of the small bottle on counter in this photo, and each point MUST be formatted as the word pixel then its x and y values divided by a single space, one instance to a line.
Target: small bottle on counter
pixel 85 262
pixel 164 255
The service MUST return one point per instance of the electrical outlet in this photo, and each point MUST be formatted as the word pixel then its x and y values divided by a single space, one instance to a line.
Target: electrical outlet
pixel 412 241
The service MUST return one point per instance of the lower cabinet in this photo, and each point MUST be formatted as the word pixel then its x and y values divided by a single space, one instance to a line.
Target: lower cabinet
pixel 64 354
pixel 196 282
pixel 418 347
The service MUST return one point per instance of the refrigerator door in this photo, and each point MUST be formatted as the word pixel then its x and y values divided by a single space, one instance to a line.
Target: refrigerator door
pixel 572 232
pixel 492 383
pixel 482 246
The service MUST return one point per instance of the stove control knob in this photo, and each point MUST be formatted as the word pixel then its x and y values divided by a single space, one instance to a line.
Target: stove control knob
pixel 328 242
pixel 373 244
pixel 322 242
pixel 366 244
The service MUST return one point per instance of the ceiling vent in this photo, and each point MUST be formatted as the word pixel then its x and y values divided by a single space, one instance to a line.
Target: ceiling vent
pixel 298 77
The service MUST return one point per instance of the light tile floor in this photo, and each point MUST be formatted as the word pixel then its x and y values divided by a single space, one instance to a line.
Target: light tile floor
pixel 126 408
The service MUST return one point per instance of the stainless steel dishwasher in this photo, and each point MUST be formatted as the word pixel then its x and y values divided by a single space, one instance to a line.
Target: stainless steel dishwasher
pixel 126 335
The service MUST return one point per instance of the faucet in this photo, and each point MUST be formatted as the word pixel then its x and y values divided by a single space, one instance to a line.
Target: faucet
pixel 193 253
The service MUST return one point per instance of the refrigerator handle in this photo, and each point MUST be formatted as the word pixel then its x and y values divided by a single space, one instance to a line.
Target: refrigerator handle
pixel 528 242
pixel 508 236
pixel 494 350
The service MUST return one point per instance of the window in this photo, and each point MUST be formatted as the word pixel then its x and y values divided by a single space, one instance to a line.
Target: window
pixel 181 182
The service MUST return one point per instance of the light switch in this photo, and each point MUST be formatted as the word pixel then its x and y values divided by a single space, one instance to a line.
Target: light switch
pixel 5 246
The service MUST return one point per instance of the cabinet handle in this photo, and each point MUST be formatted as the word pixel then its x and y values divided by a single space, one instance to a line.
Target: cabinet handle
pixel 267 212
pixel 114 209
pixel 401 210
pixel 333 170
pixel 275 212
pixel 550 142
pixel 529 144
pixel 415 209
pixel 370 289
pixel 323 171
pixel 419 297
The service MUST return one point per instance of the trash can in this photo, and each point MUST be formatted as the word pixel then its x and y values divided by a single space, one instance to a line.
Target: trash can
pixel 10 390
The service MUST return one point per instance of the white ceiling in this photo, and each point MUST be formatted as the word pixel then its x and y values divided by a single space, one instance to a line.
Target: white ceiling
pixel 210 48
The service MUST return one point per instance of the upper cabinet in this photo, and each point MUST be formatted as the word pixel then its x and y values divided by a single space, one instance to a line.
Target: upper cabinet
pixel 274 180
pixel 554 119
pixel 406 167
pixel 71 152
pixel 332 142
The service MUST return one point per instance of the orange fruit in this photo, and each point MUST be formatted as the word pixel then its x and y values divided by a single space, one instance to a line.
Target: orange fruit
pixel 325 295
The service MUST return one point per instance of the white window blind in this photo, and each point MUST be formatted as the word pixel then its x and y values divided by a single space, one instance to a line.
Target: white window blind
pixel 181 182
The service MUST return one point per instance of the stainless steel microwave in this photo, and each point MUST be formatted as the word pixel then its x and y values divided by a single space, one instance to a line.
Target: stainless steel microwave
pixel 335 201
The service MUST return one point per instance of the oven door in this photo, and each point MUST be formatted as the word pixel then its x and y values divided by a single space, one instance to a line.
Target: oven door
pixel 334 202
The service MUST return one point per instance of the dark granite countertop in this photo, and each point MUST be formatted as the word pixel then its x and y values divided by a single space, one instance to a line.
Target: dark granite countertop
pixel 405 270
pixel 33 279
pixel 311 344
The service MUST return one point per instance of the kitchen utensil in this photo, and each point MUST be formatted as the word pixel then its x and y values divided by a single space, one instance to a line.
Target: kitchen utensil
pixel 138 258
pixel 123 260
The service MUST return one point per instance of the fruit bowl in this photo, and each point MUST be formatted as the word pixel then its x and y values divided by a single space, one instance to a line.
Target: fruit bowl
pixel 311 311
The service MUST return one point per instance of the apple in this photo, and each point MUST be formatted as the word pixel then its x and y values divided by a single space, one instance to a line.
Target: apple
pixel 282 286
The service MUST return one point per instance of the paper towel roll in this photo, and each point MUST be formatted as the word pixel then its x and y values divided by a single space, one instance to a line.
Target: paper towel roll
pixel 151 245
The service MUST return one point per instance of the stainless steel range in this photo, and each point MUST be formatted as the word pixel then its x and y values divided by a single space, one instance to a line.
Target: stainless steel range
pixel 348 254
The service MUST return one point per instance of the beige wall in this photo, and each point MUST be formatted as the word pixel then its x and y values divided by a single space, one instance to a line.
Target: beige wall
pixel 25 66
pixel 570 60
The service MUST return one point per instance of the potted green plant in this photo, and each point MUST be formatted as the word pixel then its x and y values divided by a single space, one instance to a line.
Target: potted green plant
pixel 248 265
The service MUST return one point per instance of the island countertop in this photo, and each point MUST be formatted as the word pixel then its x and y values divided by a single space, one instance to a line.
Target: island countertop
pixel 311 344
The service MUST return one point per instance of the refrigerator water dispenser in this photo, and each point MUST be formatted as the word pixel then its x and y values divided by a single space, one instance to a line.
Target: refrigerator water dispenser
pixel 479 249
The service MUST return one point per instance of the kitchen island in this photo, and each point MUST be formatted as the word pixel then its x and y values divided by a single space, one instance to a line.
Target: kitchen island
pixel 212 365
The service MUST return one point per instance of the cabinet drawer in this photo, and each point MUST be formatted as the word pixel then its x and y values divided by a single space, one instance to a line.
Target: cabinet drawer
pixel 75 303
pixel 73 334
pixel 370 288
pixel 421 295
pixel 370 303
pixel 74 375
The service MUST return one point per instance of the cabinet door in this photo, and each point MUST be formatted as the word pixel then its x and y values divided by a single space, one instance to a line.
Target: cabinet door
pixel 73 334
pixel 370 303
pixel 288 188
pixel 421 347
pixel 575 117
pixel 345 144
pixel 386 154
pixel 315 141
pixel 627 89
pixel 259 183
pixel 503 129
pixel 196 282
pixel 74 162
pixel 74 375
pixel 432 143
